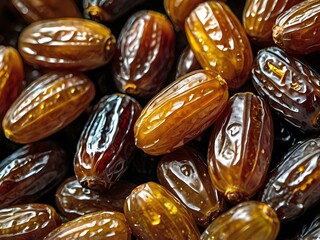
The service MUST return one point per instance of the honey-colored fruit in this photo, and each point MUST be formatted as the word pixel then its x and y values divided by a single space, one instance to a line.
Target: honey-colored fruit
pixel 180 112
pixel 187 62
pixel 47 105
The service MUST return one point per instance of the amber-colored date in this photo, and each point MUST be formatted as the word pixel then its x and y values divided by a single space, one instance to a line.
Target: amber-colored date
pixel 187 62
pixel 240 147
pixel 247 220
pixel 67 43
pixel 47 105
pixel 183 109
pixel 219 42
pixel 106 145
pixel 259 16
pixel 290 86
pixel 292 187
pixel 11 77
pixel 297 29
pixel 153 213
pixel 144 54
pixel 30 172
pixel 33 11
pixel 98 225
pixel 74 201
pixel 184 173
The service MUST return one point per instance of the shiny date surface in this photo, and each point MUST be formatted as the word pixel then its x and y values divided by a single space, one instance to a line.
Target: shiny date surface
pixel 187 62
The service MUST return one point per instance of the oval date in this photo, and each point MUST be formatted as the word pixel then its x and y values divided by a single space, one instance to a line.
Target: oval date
pixel 187 62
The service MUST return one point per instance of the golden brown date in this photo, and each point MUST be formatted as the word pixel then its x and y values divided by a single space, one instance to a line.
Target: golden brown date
pixel 153 213
pixel 30 172
pixel 33 11
pixel 106 144
pixel 67 43
pixel 98 225
pixel 290 86
pixel 247 220
pixel 74 201
pixel 184 173
pixel 47 105
pixel 28 221
pixel 297 29
pixel 292 187
pixel 184 109
pixel 240 147
pixel 219 42
pixel 144 54
pixel 259 16
pixel 11 77
pixel 187 62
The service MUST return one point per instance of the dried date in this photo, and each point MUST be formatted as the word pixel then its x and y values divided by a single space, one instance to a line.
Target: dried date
pixel 187 62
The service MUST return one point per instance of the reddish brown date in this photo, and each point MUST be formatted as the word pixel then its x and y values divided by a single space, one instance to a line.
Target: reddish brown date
pixel 30 172
pixel 187 62
pixel 184 173
pixel 240 147
pixel 292 187
pixel 106 144
pixel 144 54
pixel 74 201
pixel 290 86
pixel 28 221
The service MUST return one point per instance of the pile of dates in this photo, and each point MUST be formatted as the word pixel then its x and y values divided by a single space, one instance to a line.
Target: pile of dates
pixel 166 119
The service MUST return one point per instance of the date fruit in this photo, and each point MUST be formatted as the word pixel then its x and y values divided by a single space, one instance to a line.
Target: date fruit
pixel 47 105
pixel 240 147
pixel 180 112
pixel 67 43
pixel 153 213
pixel 187 62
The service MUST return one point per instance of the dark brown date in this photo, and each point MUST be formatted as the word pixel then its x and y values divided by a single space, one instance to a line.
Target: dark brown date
pixel 74 201
pixel 292 187
pixel 30 172
pixel 106 144
pixel 185 174
pixel 28 221
pixel 310 230
pixel 290 86
pixel 187 62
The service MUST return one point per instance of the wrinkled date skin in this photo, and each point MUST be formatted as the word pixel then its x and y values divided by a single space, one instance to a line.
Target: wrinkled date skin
pixel 74 201
pixel 107 10
pixel 184 109
pixel 290 86
pixel 187 62
pixel 33 11
pixel 247 220
pixel 240 147
pixel 28 221
pixel 184 173
pixel 67 43
pixel 219 42
pixel 98 225
pixel 153 213
pixel 259 16
pixel 297 29
pixel 30 172
pixel 106 145
pixel 292 187
pixel 144 54
pixel 310 230
pixel 11 77
pixel 47 105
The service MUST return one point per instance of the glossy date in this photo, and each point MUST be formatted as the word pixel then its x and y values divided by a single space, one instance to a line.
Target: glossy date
pixel 187 63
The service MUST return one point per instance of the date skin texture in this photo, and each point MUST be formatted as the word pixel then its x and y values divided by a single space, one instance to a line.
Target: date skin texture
pixel 153 213
pixel 290 86
pixel 240 147
pixel 292 187
pixel 219 42
pixel 67 43
pixel 297 29
pixel 144 54
pixel 310 230
pixel 47 105
pixel 30 172
pixel 185 174
pixel 187 62
pixel 183 110
pixel 28 221
pixel 95 226
pixel 106 145
pixel 250 220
